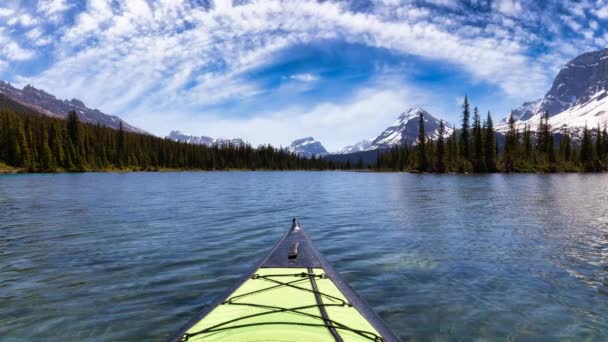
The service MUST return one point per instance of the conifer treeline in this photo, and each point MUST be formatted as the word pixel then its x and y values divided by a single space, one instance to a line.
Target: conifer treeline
pixel 474 148
pixel 42 144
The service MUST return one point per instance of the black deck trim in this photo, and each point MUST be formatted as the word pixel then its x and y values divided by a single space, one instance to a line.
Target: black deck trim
pixel 324 314
pixel 308 256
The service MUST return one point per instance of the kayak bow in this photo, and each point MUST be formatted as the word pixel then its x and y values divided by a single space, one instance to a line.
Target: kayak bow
pixel 292 295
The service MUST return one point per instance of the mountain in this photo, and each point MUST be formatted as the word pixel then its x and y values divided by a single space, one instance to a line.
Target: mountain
pixel 307 147
pixel 578 96
pixel 404 131
pixel 202 140
pixel 45 103
pixel 362 145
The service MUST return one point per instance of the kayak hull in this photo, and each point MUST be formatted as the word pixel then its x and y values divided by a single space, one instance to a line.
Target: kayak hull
pixel 293 294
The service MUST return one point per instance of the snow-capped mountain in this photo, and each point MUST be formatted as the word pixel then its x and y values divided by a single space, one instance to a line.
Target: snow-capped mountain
pixel 202 140
pixel 307 147
pixel 404 131
pixel 48 104
pixel 578 96
pixel 362 145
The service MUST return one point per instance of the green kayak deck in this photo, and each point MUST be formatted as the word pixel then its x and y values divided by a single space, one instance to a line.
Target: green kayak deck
pixel 292 295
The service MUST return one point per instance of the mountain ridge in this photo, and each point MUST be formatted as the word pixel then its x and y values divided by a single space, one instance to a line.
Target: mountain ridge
pixel 179 136
pixel 47 104
pixel 578 96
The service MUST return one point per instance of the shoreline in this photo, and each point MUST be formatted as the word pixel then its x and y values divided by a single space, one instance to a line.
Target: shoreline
pixel 8 170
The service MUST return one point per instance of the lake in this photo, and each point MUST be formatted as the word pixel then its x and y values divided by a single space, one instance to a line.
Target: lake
pixel 132 256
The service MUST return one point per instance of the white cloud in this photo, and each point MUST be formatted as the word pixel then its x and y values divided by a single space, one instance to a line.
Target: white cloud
pixel 509 7
pixel 602 12
pixel 5 12
pixel 304 77
pixel 135 56
pixel 151 40
pixel 52 8
pixel 24 20
pixel 336 124
pixel 11 50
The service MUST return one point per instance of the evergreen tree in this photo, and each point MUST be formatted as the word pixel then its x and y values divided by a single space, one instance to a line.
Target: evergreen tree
pixel 510 146
pixel 605 142
pixel 550 149
pixel 527 143
pixel 598 147
pixel 422 163
pixel 478 155
pixel 440 161
pixel 452 147
pixel 565 147
pixel 489 144
pixel 586 153
pixel 74 128
pixel 465 144
pixel 47 161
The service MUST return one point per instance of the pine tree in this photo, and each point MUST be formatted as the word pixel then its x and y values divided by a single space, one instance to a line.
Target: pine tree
pixel 440 162
pixel 422 163
pixel 565 146
pixel 605 142
pixel 510 146
pixel 597 157
pixel 453 147
pixel 47 161
pixel 527 143
pixel 489 144
pixel 540 136
pixel 465 144
pixel 586 150
pixel 478 164
pixel 550 148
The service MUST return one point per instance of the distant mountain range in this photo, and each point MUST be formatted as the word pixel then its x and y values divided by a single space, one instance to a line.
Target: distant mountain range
pixel 47 104
pixel 578 96
pixel 203 140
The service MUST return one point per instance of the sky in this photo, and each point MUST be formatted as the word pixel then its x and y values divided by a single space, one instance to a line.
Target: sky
pixel 273 71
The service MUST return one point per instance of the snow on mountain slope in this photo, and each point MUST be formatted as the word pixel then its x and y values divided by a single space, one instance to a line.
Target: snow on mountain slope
pixel 202 140
pixel 307 147
pixel 362 145
pixel 578 97
pixel 404 131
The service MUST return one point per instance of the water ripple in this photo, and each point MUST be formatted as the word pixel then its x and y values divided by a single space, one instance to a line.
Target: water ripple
pixel 133 256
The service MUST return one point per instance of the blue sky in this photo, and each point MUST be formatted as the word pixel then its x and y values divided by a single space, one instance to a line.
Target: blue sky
pixel 272 71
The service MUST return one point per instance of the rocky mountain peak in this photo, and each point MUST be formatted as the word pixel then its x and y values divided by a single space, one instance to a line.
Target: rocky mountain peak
pixel 307 147
pixel 578 96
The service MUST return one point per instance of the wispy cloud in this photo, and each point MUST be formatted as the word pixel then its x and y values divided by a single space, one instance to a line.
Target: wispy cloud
pixel 304 77
pixel 138 56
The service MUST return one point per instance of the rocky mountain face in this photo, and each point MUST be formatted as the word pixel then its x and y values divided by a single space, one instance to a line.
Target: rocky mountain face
pixel 578 96
pixel 404 131
pixel 203 140
pixel 48 104
pixel 307 147
pixel 362 145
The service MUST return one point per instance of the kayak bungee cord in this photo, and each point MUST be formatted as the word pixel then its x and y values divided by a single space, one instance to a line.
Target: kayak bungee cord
pixel 292 294
pixel 329 323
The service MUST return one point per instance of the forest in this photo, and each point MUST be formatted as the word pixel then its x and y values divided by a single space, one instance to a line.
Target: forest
pixel 32 142
pixel 474 148
pixel 37 143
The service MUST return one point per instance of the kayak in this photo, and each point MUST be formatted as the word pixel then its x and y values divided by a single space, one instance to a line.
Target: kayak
pixel 293 294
